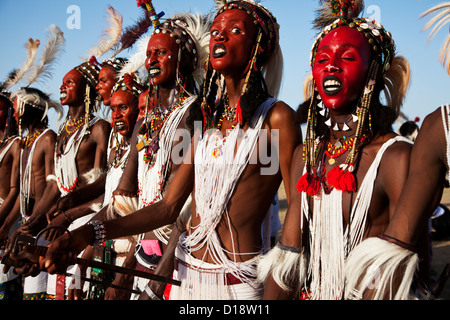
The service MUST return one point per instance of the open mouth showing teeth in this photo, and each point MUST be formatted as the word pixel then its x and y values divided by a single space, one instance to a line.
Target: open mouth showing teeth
pixel 219 51
pixel 63 95
pixel 119 125
pixel 332 85
pixel 153 72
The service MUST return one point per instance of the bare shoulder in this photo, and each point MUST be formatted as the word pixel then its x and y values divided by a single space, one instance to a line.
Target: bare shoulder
pixel 281 115
pixel 100 130
pixel 101 125
pixel 48 140
pixel 398 152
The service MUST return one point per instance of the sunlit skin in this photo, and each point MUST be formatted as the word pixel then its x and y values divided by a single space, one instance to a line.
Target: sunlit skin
pixel 9 171
pixel 254 192
pixel 106 81
pixel 142 104
pixel 161 62
pixel 72 89
pixel 340 68
pixel 123 113
pixel 232 39
pixel 344 53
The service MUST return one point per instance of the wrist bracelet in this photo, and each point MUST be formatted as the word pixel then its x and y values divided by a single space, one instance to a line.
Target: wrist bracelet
pixel 151 294
pixel 99 230
pixel 397 242
pixel 67 217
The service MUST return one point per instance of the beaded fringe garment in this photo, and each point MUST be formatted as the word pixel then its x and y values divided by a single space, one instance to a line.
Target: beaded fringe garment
pixel 328 241
pixel 215 181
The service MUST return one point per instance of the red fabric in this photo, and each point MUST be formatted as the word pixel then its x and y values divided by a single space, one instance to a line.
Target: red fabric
pixel 60 287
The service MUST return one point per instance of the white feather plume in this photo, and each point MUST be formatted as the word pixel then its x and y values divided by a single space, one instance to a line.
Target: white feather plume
pixel 111 35
pixel 32 47
pixel 439 20
pixel 199 29
pixel 54 46
pixel 137 60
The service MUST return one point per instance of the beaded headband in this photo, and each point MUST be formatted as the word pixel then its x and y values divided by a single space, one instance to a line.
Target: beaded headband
pixel 5 93
pixel 130 83
pixel 261 16
pixel 90 72
pixel 380 40
pixel 116 64
pixel 178 30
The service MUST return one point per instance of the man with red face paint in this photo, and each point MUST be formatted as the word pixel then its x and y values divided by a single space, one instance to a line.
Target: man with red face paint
pixel 217 257
pixel 124 112
pixel 108 77
pixel 80 150
pixel 344 187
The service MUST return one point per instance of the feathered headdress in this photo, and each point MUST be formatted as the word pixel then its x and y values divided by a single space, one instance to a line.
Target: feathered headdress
pixel 132 33
pixel 54 46
pixel 16 75
pixel 30 96
pixel 395 73
pixel 137 60
pixel 129 82
pixel 111 35
pixel 192 30
pixel 35 98
pixel 441 18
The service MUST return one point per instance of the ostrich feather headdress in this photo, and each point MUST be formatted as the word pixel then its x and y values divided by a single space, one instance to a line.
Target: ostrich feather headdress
pixel 191 32
pixel 440 19
pixel 32 73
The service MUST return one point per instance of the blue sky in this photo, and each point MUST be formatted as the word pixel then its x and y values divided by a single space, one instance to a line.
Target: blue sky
pixel 430 85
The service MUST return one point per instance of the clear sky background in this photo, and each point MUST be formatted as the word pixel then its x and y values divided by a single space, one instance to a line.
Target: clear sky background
pixel 430 85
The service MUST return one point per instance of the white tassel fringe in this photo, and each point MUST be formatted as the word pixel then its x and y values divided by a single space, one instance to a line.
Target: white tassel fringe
pixel 286 268
pixel 374 264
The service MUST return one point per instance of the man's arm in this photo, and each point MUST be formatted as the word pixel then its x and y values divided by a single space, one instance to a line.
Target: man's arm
pixel 282 119
pixel 423 189
pixel 149 218
pixel 14 183
pixel 37 219
pixel 292 232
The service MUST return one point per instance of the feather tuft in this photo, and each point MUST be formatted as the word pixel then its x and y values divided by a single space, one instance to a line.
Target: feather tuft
pixel 111 35
pixel 137 60
pixel 334 9
pixel 132 33
pixel 54 46
pixel 440 19
pixel 32 48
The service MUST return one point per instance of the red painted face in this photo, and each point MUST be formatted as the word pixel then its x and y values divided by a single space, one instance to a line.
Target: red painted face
pixel 233 35
pixel 124 115
pixel 340 68
pixel 3 113
pixel 16 114
pixel 73 88
pixel 106 81
pixel 142 104
pixel 161 62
